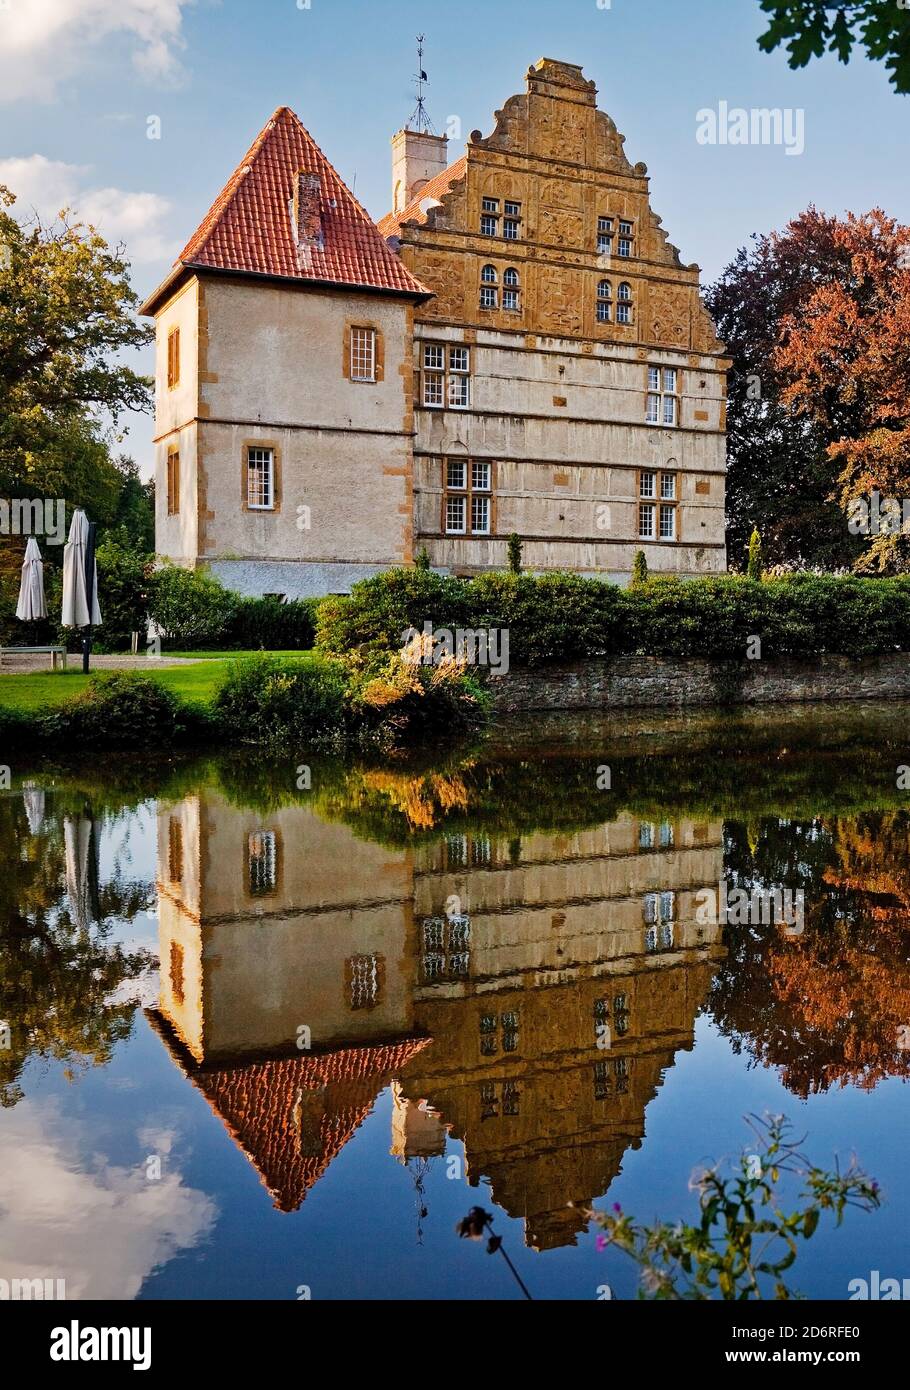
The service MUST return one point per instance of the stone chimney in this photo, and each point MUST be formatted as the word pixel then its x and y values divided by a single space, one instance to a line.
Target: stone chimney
pixel 416 158
pixel 306 213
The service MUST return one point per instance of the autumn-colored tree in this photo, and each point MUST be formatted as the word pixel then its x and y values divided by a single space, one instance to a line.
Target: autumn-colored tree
pixel 779 476
pixel 844 362
pixel 830 1006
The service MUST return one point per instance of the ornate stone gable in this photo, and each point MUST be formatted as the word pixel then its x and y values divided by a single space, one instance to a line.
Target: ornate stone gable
pixel 562 160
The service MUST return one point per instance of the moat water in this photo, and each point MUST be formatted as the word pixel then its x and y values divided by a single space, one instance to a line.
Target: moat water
pixel 275 1025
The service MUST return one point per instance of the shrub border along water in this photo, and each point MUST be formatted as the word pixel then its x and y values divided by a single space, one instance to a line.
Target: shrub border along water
pixel 559 617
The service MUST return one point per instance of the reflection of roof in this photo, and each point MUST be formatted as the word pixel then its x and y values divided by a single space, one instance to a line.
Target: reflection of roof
pixel 291 1116
pixel 248 227
pixel 438 186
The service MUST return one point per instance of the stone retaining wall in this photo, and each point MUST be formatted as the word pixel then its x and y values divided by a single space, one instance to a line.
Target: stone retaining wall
pixel 630 681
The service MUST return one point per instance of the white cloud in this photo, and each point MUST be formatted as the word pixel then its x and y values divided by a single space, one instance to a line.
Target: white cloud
pixel 42 42
pixel 67 1213
pixel 49 185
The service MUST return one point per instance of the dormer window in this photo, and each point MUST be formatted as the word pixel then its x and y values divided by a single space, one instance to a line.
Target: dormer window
pixel 306 212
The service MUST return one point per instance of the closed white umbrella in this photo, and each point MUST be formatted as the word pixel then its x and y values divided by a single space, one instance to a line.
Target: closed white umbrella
pixel 75 592
pixel 32 603
pixel 77 838
pixel 34 806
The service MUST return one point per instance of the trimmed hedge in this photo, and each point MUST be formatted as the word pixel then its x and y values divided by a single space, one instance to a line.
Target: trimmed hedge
pixel 194 610
pixel 561 617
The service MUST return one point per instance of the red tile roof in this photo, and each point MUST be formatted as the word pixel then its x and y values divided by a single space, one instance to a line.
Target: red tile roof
pixel 436 188
pixel 291 1116
pixel 249 228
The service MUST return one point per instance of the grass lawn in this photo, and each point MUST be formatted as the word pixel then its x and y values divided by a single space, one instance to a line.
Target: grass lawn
pixel 196 684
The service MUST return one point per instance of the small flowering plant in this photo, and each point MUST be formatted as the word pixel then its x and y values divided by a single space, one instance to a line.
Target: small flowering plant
pixel 745 1240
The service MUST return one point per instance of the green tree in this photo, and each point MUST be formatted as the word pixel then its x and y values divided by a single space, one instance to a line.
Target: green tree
pixel 67 317
pixel 639 569
pixel 514 548
pixel 755 567
pixel 810 28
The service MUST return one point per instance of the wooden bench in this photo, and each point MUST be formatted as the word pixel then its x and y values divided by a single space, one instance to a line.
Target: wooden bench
pixel 54 652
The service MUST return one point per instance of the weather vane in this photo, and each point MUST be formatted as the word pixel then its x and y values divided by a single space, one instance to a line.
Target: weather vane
pixel 420 121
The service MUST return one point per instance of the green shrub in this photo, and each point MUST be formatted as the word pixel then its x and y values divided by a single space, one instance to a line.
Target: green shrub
pixel 373 618
pixel 268 699
pixel 550 618
pixel 195 610
pixel 121 710
pixel 191 608
pixel 755 564
pixel 514 548
pixel 125 585
pixel 639 569
pixel 272 625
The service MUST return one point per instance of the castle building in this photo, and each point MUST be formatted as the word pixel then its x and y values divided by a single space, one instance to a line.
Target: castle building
pixel 515 348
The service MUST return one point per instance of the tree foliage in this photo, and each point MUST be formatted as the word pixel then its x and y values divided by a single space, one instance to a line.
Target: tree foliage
pixel 844 363
pixel 811 28
pixel 67 319
pixel 779 476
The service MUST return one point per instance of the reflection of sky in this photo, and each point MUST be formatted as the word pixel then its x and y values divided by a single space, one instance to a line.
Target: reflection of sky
pixel 70 1212
pixel 76 1201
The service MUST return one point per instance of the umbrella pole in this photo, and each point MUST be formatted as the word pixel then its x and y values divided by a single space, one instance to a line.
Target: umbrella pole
pixel 90 593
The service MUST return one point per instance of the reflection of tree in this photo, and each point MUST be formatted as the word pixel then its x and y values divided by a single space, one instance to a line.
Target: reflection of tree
pixel 826 1007
pixel 57 974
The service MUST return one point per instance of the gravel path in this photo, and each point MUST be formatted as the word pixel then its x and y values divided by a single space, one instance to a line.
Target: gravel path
pixel 28 665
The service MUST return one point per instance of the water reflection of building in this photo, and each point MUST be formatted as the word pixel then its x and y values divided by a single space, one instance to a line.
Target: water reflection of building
pixel 526 996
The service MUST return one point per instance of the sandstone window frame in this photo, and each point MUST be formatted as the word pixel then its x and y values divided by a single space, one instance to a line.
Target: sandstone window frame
pixel 658 504
pixel 489 287
pixel 445 376
pixel 252 447
pixel 662 402
pixel 173 358
pixel 363 353
pixel 511 221
pixel 489 216
pixel 605 235
pixel 172 491
pixel 604 301
pixel 625 242
pixel 511 290
pixel 468 497
pixel 625 304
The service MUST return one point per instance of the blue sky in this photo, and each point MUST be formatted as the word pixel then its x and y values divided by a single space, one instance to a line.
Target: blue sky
pixel 80 78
